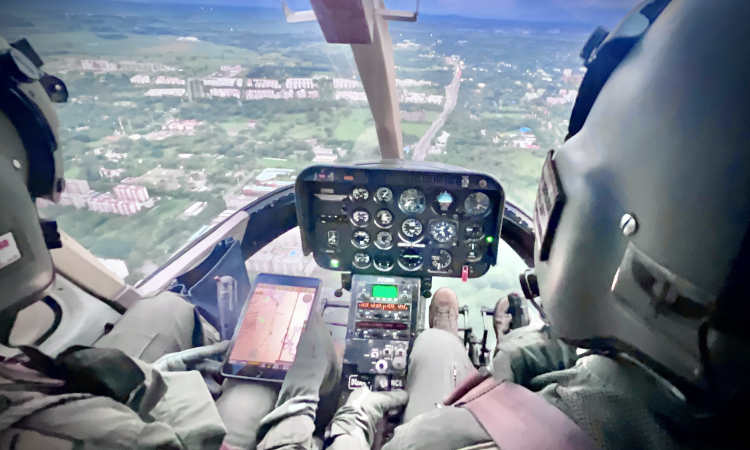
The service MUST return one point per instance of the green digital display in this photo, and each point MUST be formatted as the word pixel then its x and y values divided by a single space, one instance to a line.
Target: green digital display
pixel 381 291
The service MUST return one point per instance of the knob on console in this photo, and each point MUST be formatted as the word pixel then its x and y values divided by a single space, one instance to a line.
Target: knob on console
pixel 399 363
pixel 381 366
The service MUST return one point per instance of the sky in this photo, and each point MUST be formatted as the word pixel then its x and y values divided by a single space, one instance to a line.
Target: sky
pixel 588 11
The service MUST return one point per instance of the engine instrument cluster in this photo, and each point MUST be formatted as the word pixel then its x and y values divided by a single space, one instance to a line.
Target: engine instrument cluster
pixel 400 221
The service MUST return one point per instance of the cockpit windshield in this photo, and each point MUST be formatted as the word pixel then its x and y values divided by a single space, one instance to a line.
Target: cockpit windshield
pixel 183 112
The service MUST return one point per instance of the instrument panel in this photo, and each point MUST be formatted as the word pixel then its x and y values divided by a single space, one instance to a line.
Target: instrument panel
pixel 399 220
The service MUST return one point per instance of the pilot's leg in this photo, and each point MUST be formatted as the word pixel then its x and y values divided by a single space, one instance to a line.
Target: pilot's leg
pixel 242 405
pixel 438 361
pixel 155 326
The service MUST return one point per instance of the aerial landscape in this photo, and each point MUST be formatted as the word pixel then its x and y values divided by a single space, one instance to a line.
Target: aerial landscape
pixel 181 114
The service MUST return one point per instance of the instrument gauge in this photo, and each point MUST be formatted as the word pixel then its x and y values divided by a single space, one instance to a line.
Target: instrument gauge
pixel 412 201
pixel 443 231
pixel 382 263
pixel 360 194
pixel 410 260
pixel 474 230
pixel 440 259
pixel 477 204
pixel 383 218
pixel 360 217
pixel 361 260
pixel 411 228
pixel 475 253
pixel 384 240
pixel 384 195
pixel 360 239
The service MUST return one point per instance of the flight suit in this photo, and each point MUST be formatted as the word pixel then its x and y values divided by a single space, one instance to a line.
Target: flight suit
pixel 619 403
pixel 169 410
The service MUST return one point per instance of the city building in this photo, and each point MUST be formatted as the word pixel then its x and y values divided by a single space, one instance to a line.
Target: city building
pixel 435 99
pixel 299 83
pixel 98 65
pixel 312 94
pixel 283 255
pixel 257 190
pixel 352 96
pixel 194 209
pixel 231 71
pixel 165 93
pixel 287 94
pixel 110 173
pixel 76 187
pixel 188 39
pixel 130 192
pixel 181 125
pixel 411 83
pixel 169 80
pixel 260 94
pixel 301 93
pixel 223 82
pixel 414 116
pixel 224 93
pixel 344 83
pixel 140 79
pixel 262 83
pixel 556 101
pixel 108 203
pixel 442 140
pixel 251 124
pixel 143 67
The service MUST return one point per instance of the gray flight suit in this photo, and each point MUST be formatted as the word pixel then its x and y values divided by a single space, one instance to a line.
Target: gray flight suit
pixel 619 403
pixel 170 410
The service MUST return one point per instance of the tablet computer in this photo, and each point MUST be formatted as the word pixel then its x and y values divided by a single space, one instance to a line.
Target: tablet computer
pixel 274 316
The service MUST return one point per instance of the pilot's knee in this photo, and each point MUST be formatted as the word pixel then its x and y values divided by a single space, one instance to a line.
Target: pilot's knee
pixel 435 340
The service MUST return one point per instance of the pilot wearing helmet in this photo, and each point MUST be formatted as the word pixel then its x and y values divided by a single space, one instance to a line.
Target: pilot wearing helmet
pixel 109 395
pixel 642 260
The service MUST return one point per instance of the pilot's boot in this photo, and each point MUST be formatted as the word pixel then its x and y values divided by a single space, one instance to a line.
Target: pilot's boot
pixel 501 320
pixel 444 311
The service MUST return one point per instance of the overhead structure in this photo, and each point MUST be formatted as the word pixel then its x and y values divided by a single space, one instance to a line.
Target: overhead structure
pixel 364 25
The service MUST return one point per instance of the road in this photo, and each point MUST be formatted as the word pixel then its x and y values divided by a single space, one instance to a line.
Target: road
pixel 451 97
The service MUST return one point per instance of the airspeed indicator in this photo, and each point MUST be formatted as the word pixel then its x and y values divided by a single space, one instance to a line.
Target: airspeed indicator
pixel 360 239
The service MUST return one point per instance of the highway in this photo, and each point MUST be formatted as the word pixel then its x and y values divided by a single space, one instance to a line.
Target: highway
pixel 451 97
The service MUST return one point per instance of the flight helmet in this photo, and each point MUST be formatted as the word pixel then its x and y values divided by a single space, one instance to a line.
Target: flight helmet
pixel 30 168
pixel 642 218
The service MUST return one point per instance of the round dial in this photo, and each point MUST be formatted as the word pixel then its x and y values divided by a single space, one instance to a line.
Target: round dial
pixel 477 203
pixel 444 201
pixel 360 217
pixel 475 253
pixel 443 231
pixel 360 239
pixel 383 218
pixel 411 228
pixel 410 260
pixel 384 195
pixel 361 260
pixel 383 263
pixel 474 230
pixel 440 259
pixel 360 194
pixel 384 240
pixel 412 201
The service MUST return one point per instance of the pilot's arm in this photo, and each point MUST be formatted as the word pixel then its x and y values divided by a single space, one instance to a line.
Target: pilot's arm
pixel 315 372
pixel 529 351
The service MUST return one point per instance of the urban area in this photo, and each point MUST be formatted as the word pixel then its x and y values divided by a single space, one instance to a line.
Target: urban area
pixel 179 116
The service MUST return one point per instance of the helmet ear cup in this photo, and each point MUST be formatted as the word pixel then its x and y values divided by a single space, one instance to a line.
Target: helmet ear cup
pixel 26 269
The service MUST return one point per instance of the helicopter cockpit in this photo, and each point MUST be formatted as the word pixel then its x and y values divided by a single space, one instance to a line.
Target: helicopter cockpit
pixel 384 234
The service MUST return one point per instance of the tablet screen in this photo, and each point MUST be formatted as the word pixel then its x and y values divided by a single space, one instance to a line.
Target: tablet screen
pixel 271 327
